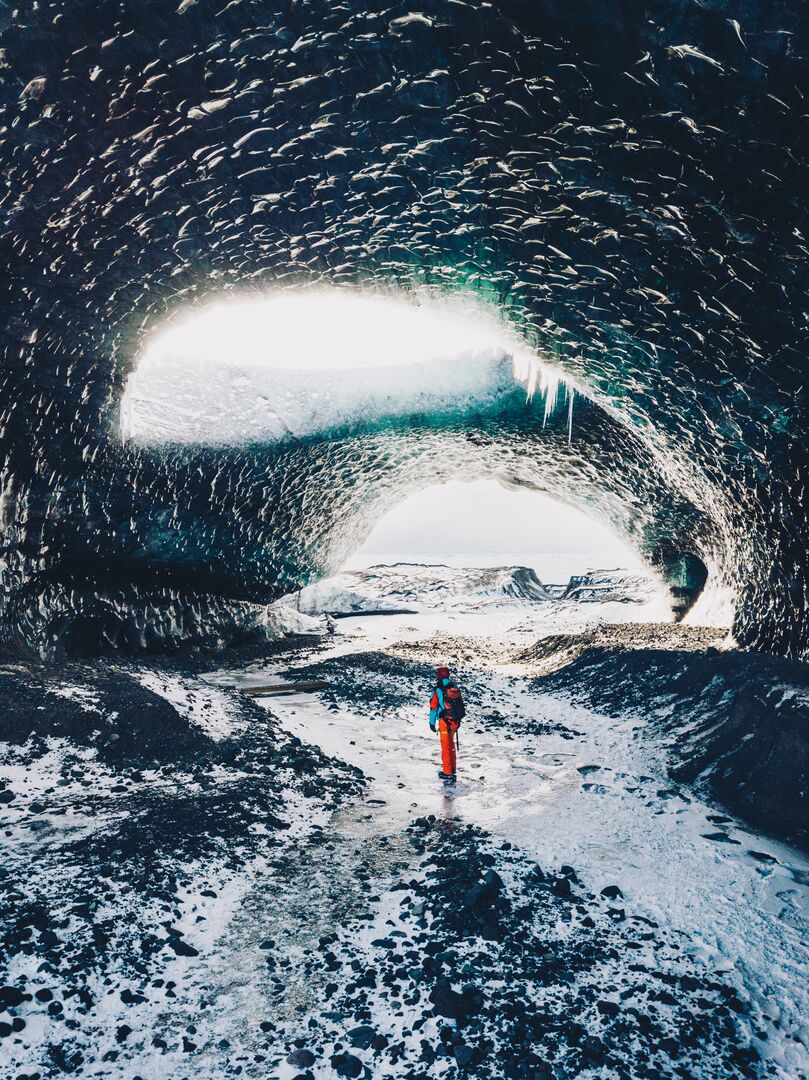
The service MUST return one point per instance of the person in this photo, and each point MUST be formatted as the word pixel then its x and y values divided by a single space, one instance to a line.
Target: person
pixel 447 709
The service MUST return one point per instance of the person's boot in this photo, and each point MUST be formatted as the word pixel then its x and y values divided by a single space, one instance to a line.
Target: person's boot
pixel 448 778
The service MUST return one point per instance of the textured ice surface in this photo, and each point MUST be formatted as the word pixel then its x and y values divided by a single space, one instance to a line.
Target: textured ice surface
pixel 628 187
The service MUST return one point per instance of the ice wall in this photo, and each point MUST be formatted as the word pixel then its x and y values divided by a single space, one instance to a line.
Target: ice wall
pixel 626 185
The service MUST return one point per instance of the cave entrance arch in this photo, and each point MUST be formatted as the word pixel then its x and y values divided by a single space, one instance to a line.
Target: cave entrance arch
pixel 483 520
pixel 452 544
pixel 298 363
pixel 257 439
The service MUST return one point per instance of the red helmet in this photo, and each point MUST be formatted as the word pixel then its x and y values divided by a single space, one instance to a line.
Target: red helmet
pixel 442 673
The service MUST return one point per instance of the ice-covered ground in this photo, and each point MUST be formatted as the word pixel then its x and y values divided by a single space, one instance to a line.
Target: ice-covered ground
pixel 565 785
pixel 442 586
pixel 254 911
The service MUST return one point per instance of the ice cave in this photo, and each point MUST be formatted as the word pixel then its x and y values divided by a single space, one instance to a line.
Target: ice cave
pixel 633 222
pixel 271 269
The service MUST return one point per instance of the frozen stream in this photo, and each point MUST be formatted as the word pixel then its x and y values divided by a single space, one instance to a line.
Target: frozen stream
pixel 584 791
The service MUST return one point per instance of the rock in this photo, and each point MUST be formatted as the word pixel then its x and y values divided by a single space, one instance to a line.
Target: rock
pixel 608 1008
pixel 762 856
pixel 612 892
pixel 428 1055
pixel 181 947
pixel 447 1002
pixel 464 1054
pixel 362 1036
pixel 10 997
pixel 561 886
pixel 127 997
pixel 493 880
pixel 346 1065
pixel 301 1059
pixel 484 894
pixel 573 1030
pixel 592 1047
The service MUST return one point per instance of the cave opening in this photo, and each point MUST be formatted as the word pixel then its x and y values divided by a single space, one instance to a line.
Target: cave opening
pixel 259 436
pixel 483 540
pixel 293 363
pixel 274 429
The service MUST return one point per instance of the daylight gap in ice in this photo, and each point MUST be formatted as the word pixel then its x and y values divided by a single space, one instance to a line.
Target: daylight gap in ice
pixel 302 362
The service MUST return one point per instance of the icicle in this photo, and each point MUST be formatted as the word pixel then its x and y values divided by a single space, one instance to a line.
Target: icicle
pixel 551 388
pixel 530 371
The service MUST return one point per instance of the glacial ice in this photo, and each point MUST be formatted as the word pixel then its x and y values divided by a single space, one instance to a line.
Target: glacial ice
pixel 297 363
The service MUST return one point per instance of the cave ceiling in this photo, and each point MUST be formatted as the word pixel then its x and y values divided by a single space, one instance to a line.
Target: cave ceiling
pixel 624 184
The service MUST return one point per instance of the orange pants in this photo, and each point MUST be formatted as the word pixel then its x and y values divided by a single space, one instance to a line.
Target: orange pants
pixel 446 729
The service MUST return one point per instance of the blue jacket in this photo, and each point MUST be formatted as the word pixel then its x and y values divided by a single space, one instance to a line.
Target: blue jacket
pixel 437 702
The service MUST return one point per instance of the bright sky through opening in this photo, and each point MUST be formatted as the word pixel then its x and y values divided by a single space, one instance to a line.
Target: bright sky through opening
pixel 300 362
pixel 324 330
pixel 483 523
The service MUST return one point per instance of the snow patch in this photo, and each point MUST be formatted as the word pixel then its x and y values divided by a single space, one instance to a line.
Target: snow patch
pixel 207 708
pixel 84 697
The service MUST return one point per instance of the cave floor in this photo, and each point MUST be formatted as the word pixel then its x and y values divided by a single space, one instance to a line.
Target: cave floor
pixel 565 910
pixel 542 783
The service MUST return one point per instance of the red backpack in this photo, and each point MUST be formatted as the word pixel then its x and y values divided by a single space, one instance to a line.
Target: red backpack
pixel 454 708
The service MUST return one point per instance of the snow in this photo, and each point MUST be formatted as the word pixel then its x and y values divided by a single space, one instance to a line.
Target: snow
pixel 86 698
pixel 209 895
pixel 620 819
pixel 424 586
pixel 206 708
pixel 560 782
